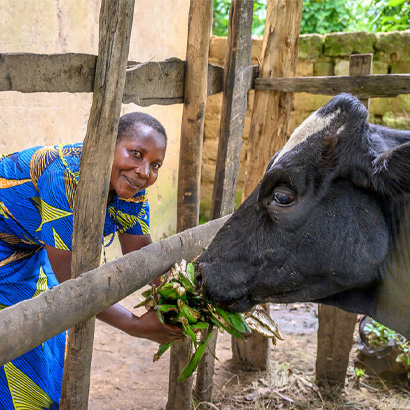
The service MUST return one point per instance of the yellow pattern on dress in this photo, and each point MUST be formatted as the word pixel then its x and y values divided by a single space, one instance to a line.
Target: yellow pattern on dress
pixel 41 284
pixel 4 211
pixel 128 221
pixel 40 160
pixel 58 242
pixel 10 183
pixel 70 186
pixel 25 394
pixel 48 213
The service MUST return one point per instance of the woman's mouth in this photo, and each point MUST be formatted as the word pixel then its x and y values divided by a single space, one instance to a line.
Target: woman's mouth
pixel 135 184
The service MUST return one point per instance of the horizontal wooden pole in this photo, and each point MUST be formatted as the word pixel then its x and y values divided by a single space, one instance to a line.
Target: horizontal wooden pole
pixel 33 321
pixel 154 82
pixel 363 86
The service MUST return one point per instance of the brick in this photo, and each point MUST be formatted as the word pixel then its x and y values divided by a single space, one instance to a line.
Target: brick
pixel 323 68
pixel 345 44
pixel 310 45
pixel 395 44
pixel 341 67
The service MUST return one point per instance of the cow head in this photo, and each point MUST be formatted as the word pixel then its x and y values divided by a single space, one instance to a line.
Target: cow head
pixel 323 223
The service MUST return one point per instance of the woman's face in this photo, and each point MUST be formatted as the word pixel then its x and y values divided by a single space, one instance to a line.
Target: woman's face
pixel 138 156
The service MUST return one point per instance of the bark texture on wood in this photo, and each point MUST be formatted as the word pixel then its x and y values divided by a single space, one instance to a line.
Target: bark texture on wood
pixel 362 64
pixel 268 132
pixel 336 327
pixel 159 82
pixel 236 85
pixel 192 127
pixel 31 322
pixel 363 86
pixel 189 171
pixel 237 81
pixel 92 192
pixel 335 338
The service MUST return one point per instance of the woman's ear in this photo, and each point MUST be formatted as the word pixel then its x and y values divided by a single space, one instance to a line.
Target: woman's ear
pixel 392 170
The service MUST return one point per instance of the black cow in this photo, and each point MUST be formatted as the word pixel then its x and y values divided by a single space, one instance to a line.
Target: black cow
pixel 328 223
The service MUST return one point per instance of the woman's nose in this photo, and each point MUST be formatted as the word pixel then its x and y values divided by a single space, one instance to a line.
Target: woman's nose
pixel 142 170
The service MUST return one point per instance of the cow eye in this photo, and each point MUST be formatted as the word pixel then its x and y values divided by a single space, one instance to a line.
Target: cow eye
pixel 283 198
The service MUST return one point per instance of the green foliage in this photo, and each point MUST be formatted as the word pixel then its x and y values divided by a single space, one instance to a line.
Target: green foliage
pixel 221 17
pixel 383 15
pixel 324 16
pixel 379 335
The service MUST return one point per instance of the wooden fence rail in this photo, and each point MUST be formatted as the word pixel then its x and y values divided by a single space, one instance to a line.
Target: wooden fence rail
pixel 162 82
pixel 31 322
pixel 363 86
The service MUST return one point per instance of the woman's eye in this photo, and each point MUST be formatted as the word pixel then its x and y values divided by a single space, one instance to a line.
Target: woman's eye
pixel 156 166
pixel 283 198
pixel 136 153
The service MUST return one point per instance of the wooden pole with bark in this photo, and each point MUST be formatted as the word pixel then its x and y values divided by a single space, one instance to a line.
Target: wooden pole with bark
pixel 189 171
pixel 92 192
pixel 31 322
pixel 336 327
pixel 237 79
pixel 269 123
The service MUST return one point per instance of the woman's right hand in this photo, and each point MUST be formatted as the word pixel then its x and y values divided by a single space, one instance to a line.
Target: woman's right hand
pixel 149 327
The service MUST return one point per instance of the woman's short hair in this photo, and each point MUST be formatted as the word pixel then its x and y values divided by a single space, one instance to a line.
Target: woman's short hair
pixel 129 120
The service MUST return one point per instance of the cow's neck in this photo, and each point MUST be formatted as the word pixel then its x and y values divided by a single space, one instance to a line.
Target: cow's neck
pixel 393 302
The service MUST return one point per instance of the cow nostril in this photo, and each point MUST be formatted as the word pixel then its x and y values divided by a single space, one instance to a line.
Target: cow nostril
pixel 198 279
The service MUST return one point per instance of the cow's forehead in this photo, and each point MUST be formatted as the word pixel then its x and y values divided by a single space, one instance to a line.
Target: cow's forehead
pixel 313 125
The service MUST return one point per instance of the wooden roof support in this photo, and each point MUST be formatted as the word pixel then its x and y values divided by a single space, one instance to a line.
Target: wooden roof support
pixel 237 81
pixel 92 192
pixel 189 171
pixel 268 132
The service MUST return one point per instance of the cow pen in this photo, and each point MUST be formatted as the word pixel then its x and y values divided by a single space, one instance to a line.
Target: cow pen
pixel 113 80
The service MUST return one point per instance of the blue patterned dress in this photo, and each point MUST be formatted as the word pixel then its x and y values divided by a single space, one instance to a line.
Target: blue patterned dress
pixel 37 188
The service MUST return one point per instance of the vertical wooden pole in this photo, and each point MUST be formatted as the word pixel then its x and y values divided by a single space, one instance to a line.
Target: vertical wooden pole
pixel 189 173
pixel 237 78
pixel 92 192
pixel 268 132
pixel 336 327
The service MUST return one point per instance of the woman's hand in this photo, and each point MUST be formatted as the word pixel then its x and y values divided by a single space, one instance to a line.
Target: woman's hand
pixel 149 327
pixel 146 326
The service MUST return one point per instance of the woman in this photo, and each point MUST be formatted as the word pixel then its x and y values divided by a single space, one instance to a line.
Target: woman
pixel 37 188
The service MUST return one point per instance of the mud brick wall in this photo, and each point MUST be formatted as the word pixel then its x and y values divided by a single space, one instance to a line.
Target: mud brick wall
pixel 319 55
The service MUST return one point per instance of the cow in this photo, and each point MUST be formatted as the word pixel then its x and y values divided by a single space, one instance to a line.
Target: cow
pixel 328 223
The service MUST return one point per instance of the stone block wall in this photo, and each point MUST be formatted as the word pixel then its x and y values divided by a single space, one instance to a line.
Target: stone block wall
pixel 319 55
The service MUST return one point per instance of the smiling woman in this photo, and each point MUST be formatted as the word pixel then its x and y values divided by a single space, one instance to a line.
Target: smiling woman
pixel 37 192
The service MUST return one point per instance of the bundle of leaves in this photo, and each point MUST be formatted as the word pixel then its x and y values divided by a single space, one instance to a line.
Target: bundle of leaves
pixel 178 301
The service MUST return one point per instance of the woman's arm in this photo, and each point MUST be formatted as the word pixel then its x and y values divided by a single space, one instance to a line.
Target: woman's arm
pixel 146 326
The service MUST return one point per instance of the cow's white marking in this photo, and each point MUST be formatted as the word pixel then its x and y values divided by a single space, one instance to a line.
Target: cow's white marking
pixel 312 125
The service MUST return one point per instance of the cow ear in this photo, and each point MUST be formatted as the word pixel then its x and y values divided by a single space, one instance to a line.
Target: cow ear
pixel 392 170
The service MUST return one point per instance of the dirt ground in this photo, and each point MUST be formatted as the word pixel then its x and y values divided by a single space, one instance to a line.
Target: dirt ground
pixel 125 377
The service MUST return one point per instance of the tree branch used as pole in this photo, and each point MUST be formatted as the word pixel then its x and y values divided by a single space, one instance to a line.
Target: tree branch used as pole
pixel 33 321
pixel 189 171
pixel 92 192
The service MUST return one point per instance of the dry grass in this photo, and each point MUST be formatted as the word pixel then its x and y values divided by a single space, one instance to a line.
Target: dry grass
pixel 290 389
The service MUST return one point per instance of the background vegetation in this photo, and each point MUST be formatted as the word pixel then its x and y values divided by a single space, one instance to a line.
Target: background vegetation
pixel 323 16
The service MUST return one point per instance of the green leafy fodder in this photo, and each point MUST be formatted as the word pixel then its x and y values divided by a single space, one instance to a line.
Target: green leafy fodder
pixel 178 301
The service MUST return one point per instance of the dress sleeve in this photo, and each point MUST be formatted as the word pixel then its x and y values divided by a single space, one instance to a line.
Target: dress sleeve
pixel 56 189
pixel 131 216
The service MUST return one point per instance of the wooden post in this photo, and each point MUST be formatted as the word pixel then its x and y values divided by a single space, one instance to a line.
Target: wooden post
pixel 336 327
pixel 268 132
pixel 237 78
pixel 92 192
pixel 189 171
